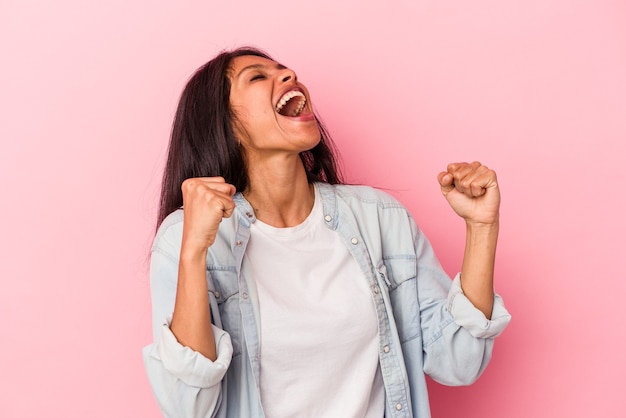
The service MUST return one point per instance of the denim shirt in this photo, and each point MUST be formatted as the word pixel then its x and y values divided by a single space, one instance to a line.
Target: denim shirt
pixel 425 323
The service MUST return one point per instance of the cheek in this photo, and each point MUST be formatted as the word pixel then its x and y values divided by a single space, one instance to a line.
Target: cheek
pixel 253 112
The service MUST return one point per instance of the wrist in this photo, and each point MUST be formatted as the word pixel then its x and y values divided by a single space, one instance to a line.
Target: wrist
pixel 481 236
pixel 482 226
pixel 193 253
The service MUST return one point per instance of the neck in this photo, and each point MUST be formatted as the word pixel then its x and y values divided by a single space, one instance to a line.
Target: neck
pixel 279 193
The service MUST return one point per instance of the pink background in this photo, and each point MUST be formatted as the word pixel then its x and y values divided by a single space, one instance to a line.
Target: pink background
pixel 534 89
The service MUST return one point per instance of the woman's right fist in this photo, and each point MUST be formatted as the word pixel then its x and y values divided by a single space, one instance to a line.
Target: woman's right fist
pixel 206 200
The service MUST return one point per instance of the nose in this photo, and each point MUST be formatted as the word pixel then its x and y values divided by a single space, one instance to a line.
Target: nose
pixel 287 75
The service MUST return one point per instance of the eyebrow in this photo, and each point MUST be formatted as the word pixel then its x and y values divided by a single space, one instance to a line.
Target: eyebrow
pixel 258 67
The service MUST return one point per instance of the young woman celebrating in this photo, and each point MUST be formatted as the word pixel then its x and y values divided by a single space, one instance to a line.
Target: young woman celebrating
pixel 278 291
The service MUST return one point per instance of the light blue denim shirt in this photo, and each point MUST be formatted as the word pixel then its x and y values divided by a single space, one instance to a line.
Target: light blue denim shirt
pixel 426 325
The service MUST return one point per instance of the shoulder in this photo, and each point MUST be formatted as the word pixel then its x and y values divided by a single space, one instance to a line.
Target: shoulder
pixel 363 204
pixel 170 233
pixel 367 196
pixel 384 224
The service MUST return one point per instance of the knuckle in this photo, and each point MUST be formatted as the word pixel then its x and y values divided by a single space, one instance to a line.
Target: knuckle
pixel 189 183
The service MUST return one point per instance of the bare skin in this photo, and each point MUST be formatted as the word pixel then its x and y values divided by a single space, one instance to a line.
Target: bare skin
pixel 206 202
pixel 282 197
pixel 472 192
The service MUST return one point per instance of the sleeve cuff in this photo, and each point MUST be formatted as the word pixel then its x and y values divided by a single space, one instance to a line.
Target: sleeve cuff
pixel 466 315
pixel 191 367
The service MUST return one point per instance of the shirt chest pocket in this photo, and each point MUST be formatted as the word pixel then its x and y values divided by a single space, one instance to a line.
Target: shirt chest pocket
pixel 400 275
pixel 224 299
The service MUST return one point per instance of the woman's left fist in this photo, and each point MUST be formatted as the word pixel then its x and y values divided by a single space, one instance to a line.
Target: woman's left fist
pixel 472 191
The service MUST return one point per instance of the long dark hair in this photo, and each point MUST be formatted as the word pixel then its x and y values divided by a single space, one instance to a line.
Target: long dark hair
pixel 203 143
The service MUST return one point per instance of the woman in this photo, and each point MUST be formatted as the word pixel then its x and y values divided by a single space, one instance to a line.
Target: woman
pixel 278 291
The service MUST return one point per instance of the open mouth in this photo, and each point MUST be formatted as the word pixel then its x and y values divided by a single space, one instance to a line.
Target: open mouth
pixel 291 104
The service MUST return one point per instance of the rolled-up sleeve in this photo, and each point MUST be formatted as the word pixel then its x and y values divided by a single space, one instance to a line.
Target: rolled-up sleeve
pixel 469 317
pixel 461 347
pixel 185 383
pixel 187 365
pixel 458 338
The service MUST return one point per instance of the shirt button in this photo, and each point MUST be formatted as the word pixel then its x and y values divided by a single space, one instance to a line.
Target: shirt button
pixel 398 406
pixel 386 349
pixel 328 218
pixel 375 289
pixel 245 295
pixel 354 241
pixel 238 243
pixel 217 294
pixel 249 214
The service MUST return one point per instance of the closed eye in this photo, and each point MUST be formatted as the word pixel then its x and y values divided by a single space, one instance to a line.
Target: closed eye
pixel 257 77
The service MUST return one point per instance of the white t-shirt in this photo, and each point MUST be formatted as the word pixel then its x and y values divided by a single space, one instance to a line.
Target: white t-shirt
pixel 318 326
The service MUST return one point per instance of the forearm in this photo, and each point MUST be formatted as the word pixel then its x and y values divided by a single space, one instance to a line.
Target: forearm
pixel 478 265
pixel 191 321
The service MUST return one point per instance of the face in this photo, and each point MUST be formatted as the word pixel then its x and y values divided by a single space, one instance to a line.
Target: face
pixel 272 109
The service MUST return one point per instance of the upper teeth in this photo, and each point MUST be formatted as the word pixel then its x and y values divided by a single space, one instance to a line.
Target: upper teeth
pixel 290 95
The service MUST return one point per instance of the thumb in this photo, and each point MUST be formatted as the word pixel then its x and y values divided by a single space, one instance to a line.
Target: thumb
pixel 446 181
